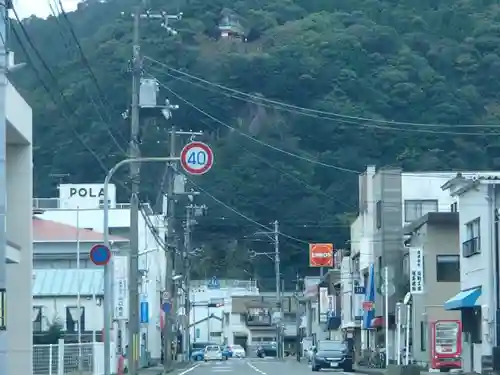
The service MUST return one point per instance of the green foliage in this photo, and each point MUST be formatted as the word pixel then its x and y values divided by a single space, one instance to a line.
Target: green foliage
pixel 434 62
pixel 52 335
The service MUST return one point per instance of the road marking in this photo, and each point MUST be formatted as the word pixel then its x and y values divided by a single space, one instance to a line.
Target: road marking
pixel 189 369
pixel 256 369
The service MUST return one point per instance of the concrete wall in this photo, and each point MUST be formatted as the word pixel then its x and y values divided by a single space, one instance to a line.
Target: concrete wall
pixel 19 231
pixel 428 307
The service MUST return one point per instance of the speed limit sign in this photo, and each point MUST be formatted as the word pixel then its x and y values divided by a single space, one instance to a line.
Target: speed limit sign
pixel 197 158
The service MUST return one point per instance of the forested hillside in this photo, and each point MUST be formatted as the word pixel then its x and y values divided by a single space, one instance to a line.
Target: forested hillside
pixel 432 63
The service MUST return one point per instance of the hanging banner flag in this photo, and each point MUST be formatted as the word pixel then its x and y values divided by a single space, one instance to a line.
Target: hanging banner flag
pixel 120 287
pixel 321 255
pixel 416 270
pixel 323 305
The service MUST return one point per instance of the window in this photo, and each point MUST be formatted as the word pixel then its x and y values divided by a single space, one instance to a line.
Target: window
pixel 415 209
pixel 454 207
pixel 448 268
pixel 73 319
pixel 378 212
pixel 37 318
pixel 423 336
pixel 472 244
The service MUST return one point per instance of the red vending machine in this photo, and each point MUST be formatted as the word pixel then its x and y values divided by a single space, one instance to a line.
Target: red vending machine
pixel 446 343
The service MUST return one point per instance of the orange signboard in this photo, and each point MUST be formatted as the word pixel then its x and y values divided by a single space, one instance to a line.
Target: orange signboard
pixel 321 255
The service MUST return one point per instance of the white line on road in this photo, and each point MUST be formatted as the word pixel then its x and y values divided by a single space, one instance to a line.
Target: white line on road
pixel 189 369
pixel 256 369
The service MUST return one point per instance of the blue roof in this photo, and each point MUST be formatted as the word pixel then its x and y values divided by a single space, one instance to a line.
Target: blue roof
pixel 64 282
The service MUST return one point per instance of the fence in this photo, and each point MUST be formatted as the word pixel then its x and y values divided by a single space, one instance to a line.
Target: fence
pixel 62 359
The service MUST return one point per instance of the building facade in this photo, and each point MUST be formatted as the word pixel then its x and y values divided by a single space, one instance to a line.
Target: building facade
pixel 478 206
pixel 436 235
pixel 81 205
pixel 19 160
pixel 388 199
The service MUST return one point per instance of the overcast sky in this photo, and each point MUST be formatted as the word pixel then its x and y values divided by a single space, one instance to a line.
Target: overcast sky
pixel 40 8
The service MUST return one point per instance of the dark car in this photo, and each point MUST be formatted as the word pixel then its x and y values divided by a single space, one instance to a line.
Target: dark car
pixel 332 355
pixel 267 350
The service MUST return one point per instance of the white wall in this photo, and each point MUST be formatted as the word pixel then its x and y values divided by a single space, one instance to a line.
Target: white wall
pixel 55 308
pixel 203 296
pixel 19 230
pixel 153 261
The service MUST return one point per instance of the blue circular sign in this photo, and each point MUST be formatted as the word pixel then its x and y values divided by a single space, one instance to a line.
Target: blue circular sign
pixel 100 255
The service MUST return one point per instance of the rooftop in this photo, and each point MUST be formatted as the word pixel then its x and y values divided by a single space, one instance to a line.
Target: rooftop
pixel 51 231
pixel 432 218
pixel 64 282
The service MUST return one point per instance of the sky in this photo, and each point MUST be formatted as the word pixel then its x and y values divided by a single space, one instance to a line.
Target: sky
pixel 40 8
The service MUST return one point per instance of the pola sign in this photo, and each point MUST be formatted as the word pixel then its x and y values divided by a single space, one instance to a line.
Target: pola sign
pixel 85 196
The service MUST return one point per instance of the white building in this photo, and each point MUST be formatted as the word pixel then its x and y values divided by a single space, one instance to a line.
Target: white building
pixel 81 204
pixel 478 302
pixel 19 158
pixel 222 325
pixel 388 199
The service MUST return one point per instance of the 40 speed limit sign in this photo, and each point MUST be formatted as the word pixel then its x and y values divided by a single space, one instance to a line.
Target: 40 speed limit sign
pixel 197 158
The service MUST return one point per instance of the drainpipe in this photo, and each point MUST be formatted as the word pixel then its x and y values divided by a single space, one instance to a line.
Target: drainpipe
pixel 495 266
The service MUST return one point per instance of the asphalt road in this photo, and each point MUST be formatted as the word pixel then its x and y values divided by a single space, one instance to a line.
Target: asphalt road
pixel 252 366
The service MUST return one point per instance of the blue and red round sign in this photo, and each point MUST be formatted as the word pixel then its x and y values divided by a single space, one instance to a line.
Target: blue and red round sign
pixel 100 254
pixel 197 158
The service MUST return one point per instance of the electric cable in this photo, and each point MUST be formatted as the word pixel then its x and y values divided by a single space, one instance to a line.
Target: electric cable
pixel 284 172
pixel 329 115
pixel 262 143
pixel 75 132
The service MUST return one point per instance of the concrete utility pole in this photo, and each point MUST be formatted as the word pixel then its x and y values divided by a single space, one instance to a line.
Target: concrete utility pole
pixel 133 324
pixel 278 289
pixel 170 257
pixel 187 275
pixel 133 352
pixel 297 317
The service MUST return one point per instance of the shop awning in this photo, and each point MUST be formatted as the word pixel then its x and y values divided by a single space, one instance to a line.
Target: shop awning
pixel 464 299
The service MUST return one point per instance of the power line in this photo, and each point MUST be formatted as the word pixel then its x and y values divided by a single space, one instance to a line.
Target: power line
pixel 329 115
pixel 262 143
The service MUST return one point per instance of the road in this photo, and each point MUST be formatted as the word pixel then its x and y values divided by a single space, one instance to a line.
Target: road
pixel 251 366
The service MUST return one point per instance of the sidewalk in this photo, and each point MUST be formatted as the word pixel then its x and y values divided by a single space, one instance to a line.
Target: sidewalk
pixel 380 371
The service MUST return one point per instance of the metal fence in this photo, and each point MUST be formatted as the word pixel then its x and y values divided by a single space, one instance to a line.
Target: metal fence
pixel 74 359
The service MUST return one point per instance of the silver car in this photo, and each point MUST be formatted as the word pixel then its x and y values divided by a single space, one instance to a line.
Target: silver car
pixel 213 353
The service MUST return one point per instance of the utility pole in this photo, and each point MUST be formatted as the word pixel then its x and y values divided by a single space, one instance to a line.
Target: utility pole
pixel 170 256
pixel 279 340
pixel 134 153
pixel 298 316
pixel 187 277
pixel 171 242
pixel 133 352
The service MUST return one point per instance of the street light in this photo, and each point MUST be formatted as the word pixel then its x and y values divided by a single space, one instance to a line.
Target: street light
pixel 108 290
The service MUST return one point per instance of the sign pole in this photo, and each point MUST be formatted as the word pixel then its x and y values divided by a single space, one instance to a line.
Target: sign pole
pixel 386 314
pixel 407 343
pixel 398 333
pixel 108 284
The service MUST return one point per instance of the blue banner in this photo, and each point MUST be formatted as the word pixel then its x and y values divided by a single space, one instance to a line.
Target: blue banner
pixel 144 312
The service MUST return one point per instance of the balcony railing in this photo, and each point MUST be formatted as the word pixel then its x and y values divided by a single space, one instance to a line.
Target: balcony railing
pixel 259 320
pixel 55 204
pixel 471 247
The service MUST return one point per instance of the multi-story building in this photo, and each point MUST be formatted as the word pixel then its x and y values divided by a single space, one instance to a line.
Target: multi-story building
pixel 79 208
pixel 19 193
pixel 251 320
pixel 478 206
pixel 436 237
pixel 389 199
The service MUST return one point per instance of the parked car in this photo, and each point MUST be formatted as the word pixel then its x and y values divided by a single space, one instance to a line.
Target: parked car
pixel 267 350
pixel 197 352
pixel 213 353
pixel 333 355
pixel 237 351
